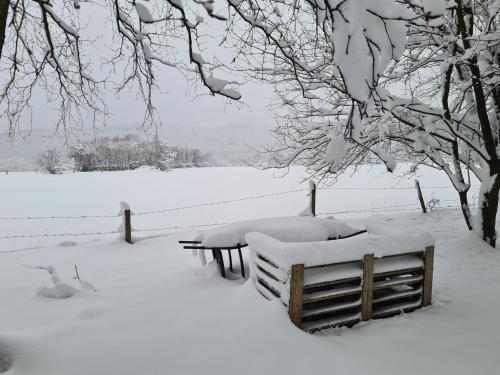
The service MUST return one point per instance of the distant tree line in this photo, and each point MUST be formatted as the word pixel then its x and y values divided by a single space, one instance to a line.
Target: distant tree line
pixel 122 153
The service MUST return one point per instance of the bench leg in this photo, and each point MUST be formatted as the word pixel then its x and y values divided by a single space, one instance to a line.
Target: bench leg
pixel 220 260
pixel 241 262
pixel 230 260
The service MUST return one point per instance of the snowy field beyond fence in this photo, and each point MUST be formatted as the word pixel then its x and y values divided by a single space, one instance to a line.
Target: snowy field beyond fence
pixel 158 311
pixel 99 194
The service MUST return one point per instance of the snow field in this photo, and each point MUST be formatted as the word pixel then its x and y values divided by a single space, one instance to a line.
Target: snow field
pixel 157 311
pixel 100 193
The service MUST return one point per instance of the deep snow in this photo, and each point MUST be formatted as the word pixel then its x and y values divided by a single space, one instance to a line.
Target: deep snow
pixel 157 311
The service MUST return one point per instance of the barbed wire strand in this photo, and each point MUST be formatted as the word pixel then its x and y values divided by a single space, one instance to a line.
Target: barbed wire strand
pixel 373 209
pixel 58 217
pixel 392 208
pixel 179 227
pixel 140 213
pixel 58 234
pixel 218 202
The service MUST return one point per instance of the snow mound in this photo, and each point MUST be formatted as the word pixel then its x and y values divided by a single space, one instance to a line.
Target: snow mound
pixel 58 291
pixel 288 229
pixel 286 254
pixel 85 285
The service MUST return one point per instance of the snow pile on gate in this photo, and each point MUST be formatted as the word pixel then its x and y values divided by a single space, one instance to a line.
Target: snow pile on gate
pixel 288 229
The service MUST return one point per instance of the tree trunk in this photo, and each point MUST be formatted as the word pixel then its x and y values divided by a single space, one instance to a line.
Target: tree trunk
pixel 464 204
pixel 488 206
pixel 4 13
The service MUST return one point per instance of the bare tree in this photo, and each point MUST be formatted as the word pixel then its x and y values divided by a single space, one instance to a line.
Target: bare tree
pixel 385 79
pixel 44 46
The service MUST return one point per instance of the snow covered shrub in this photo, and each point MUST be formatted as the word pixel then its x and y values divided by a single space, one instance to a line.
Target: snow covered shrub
pixel 60 289
pixel 130 152
pixel 433 203
pixel 51 161
pixel 5 360
pixel 121 153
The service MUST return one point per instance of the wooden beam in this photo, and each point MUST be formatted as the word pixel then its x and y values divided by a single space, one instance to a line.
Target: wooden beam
pixel 296 294
pixel 428 274
pixel 242 265
pixel 313 198
pixel 128 227
pixel 367 287
pixel 420 197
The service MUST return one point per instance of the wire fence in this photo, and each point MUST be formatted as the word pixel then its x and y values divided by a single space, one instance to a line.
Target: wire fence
pixel 387 208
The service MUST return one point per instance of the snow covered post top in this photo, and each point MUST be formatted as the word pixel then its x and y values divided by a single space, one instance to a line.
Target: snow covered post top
pixel 310 210
pixel 126 224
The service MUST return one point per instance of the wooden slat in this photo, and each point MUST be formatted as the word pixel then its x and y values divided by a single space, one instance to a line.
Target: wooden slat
pixel 332 273
pixel 296 294
pixel 397 295
pixel 273 291
pixel 367 287
pixel 358 262
pixel 276 285
pixel 396 309
pixel 267 260
pixel 266 293
pixel 331 294
pixel 332 283
pixel 420 253
pixel 268 274
pixel 428 274
pixel 318 311
pixel 399 272
pixel 316 326
pixel 277 273
pixel 397 281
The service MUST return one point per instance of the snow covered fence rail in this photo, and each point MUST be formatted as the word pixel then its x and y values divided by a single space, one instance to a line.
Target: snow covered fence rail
pixel 339 283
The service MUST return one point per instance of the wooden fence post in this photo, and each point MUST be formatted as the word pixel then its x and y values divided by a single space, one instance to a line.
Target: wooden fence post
pixel 296 294
pixel 128 226
pixel 420 196
pixel 428 273
pixel 312 188
pixel 367 287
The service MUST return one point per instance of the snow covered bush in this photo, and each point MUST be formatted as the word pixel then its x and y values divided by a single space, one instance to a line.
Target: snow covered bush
pixel 189 157
pixel 51 161
pixel 117 154
pixel 5 361
pixel 61 289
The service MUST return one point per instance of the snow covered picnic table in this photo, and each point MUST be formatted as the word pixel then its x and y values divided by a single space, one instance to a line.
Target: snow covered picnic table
pixel 287 229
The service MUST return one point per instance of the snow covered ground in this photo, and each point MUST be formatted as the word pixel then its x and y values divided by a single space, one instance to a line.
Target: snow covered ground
pixel 157 311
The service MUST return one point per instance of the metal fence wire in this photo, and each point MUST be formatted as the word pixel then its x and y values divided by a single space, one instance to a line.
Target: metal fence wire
pixel 387 208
